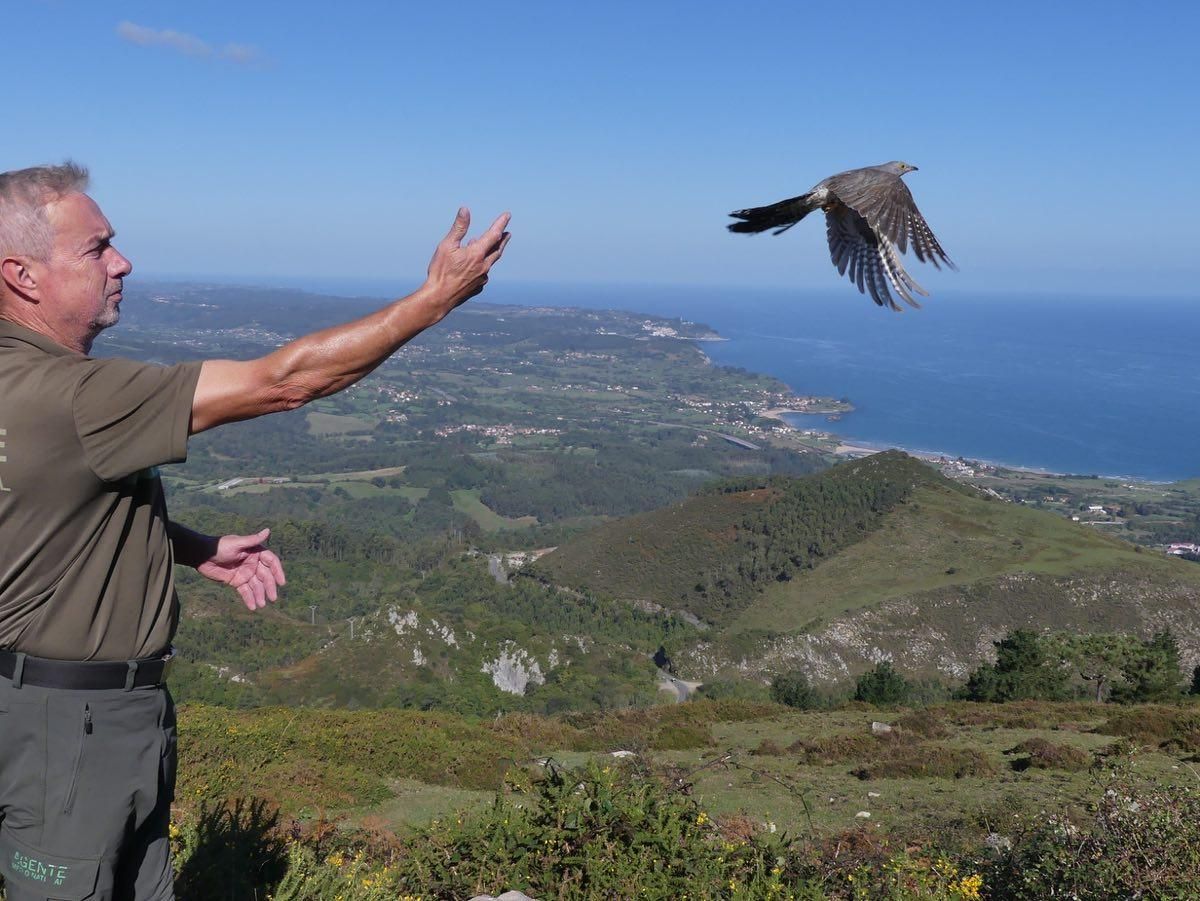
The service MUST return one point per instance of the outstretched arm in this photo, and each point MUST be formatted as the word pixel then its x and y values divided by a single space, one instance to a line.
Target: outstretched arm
pixel 327 361
pixel 240 561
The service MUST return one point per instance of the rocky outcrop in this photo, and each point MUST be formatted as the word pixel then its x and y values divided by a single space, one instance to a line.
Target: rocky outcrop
pixel 514 670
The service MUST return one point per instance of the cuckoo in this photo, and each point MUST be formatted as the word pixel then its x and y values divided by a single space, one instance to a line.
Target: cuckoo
pixel 870 219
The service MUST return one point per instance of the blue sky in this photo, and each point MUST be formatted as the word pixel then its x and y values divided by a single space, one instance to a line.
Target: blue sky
pixel 1057 142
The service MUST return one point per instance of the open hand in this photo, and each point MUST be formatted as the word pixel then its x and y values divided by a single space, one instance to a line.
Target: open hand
pixel 243 563
pixel 459 271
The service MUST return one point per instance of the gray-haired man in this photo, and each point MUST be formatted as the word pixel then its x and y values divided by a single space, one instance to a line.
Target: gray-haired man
pixel 87 599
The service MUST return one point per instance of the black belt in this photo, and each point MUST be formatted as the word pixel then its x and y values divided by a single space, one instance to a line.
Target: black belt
pixel 82 675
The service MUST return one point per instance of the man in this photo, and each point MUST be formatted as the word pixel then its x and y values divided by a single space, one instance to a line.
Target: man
pixel 87 599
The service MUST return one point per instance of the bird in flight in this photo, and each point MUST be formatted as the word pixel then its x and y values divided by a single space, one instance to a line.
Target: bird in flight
pixel 869 215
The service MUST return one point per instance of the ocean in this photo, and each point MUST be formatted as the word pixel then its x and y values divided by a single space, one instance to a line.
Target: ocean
pixel 1105 387
pixel 1109 387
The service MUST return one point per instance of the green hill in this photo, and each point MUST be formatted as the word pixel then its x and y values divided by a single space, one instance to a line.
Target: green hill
pixel 879 558
pixel 712 554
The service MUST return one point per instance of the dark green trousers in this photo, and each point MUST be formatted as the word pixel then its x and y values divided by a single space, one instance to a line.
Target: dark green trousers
pixel 86 784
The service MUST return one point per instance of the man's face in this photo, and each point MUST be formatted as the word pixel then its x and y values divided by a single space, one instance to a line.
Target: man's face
pixel 82 279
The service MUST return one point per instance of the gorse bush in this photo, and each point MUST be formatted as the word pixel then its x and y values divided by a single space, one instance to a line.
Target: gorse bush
pixel 602 832
pixel 1141 843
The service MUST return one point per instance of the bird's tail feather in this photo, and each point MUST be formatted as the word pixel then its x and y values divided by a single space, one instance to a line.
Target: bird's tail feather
pixel 779 216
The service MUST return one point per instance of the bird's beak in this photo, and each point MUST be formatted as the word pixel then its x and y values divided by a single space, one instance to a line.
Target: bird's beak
pixel 913 168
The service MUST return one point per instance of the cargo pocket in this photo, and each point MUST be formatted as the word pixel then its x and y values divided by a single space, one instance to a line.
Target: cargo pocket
pixel 47 875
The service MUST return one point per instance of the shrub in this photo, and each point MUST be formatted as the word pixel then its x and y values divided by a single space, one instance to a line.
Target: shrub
pixel 596 833
pixel 1022 714
pixel 1141 843
pixel 1169 728
pixel 733 690
pixel 882 686
pixel 833 749
pixel 1040 754
pixel 925 723
pixel 794 690
pixel 228 851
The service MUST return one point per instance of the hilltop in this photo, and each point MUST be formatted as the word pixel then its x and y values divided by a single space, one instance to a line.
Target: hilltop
pixel 888 560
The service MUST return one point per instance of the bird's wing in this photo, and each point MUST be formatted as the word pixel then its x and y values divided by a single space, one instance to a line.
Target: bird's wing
pixel 886 203
pixel 868 259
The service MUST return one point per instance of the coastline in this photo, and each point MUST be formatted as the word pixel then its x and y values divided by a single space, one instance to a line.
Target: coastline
pixel 848 447
pixel 851 448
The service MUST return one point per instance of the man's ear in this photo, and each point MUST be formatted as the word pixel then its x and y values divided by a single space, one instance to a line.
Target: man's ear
pixel 19 276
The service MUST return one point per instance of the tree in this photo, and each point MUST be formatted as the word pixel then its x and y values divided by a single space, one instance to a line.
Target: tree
pixel 794 690
pixel 1153 674
pixel 882 686
pixel 1024 670
pixel 1099 659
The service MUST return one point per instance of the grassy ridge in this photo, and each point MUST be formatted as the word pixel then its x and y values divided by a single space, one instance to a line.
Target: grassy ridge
pixel 713 552
pixel 941 538
pixel 878 557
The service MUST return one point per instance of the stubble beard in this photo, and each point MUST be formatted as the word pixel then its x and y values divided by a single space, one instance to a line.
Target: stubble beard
pixel 106 318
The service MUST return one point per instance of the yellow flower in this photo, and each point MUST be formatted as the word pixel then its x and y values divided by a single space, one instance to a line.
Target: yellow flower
pixel 968 888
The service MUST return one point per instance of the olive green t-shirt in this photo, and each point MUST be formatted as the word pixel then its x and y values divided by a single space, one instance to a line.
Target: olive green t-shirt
pixel 85 562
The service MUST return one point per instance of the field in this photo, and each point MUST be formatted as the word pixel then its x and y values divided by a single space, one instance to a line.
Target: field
pixel 947 769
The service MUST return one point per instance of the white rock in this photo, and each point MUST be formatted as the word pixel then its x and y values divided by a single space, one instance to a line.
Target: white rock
pixel 880 729
pixel 623 754
pixel 863 815
pixel 514 670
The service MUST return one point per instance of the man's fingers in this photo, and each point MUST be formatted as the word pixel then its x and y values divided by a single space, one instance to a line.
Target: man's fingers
pixel 462 222
pixel 275 566
pixel 498 251
pixel 247 595
pixel 260 595
pixel 267 577
pixel 495 232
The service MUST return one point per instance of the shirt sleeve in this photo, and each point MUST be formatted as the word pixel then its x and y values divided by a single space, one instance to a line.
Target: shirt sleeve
pixel 131 416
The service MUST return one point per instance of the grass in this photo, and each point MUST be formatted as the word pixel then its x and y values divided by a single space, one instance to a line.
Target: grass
pixel 326 424
pixel 940 539
pixel 467 501
pixel 402 768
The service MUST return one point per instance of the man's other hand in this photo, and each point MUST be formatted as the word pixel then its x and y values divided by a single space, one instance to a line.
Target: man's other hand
pixel 459 271
pixel 243 563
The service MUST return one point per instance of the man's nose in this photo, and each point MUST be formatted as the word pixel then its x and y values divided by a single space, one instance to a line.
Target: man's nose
pixel 119 266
